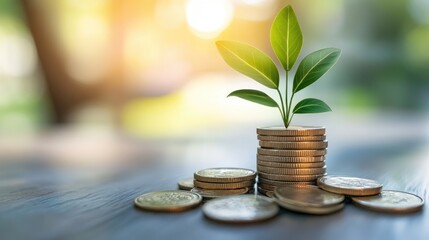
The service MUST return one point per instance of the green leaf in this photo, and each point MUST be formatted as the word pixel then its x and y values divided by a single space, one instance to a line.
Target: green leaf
pixel 250 61
pixel 311 105
pixel 313 66
pixel 286 37
pixel 254 96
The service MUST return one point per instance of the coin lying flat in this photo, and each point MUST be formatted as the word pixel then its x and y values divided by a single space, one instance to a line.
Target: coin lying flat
pixel 291 178
pixel 310 210
pixel 225 175
pixel 283 183
pixel 292 138
pixel 232 185
pixel 291 153
pixel 307 196
pixel 210 193
pixel 186 184
pixel 168 201
pixel 291 131
pixel 283 159
pixel 351 186
pixel 290 165
pixel 391 202
pixel 294 145
pixel 240 208
pixel 292 171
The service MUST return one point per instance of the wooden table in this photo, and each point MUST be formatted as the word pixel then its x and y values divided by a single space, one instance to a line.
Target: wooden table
pixel 78 193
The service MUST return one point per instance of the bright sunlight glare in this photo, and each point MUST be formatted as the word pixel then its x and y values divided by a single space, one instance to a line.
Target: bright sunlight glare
pixel 208 18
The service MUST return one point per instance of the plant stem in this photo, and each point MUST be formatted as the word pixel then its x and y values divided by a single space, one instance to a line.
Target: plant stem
pixel 286 100
pixel 283 114
pixel 289 119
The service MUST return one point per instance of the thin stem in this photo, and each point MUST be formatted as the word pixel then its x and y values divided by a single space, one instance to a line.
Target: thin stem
pixel 290 108
pixel 282 105
pixel 286 99
pixel 290 120
pixel 284 121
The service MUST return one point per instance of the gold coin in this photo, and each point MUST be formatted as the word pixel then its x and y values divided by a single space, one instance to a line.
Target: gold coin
pixel 307 196
pixel 291 178
pixel 294 145
pixel 186 184
pixel 350 186
pixel 225 175
pixel 290 159
pixel 240 208
pixel 284 183
pixel 309 210
pixel 292 139
pixel 292 171
pixel 391 202
pixel 233 185
pixel 266 192
pixel 291 153
pixel 168 201
pixel 272 187
pixel 290 165
pixel 291 131
pixel 214 193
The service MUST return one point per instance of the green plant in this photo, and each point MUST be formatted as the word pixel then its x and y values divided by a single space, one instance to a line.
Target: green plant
pixel 286 41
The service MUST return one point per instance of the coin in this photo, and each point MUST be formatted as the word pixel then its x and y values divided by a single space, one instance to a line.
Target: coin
pixel 292 171
pixel 225 175
pixel 266 192
pixel 272 187
pixel 210 193
pixel 291 178
pixel 292 138
pixel 290 159
pixel 291 153
pixel 291 131
pixel 290 165
pixel 294 145
pixel 283 183
pixel 240 208
pixel 391 202
pixel 351 186
pixel 168 201
pixel 307 196
pixel 310 210
pixel 233 185
pixel 186 184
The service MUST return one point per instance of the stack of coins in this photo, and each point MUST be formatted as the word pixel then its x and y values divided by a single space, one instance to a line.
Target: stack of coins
pixel 218 182
pixel 290 156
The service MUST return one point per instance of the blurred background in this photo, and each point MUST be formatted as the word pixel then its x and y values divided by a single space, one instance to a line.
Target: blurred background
pixel 150 69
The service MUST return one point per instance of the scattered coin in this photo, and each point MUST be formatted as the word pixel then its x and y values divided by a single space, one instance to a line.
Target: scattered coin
pixel 240 208
pixel 351 186
pixel 290 165
pixel 266 192
pixel 291 178
pixel 225 175
pixel 294 145
pixel 186 184
pixel 291 153
pixel 292 138
pixel 391 202
pixel 291 131
pixel 307 196
pixel 283 159
pixel 210 193
pixel 231 185
pixel 292 171
pixel 310 210
pixel 169 200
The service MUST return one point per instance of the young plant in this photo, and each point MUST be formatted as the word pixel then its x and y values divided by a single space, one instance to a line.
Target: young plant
pixel 286 41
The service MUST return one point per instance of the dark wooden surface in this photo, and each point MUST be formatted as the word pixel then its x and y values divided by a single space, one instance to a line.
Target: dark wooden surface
pixel 49 195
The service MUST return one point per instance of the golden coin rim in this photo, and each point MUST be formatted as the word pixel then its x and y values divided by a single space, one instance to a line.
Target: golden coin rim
pixel 169 208
pixel 349 191
pixel 280 159
pixel 310 210
pixel 291 178
pixel 292 171
pixel 316 145
pixel 281 131
pixel 223 186
pixel 204 178
pixel 290 165
pixel 285 183
pixel 337 198
pixel 311 138
pixel 205 194
pixel 291 153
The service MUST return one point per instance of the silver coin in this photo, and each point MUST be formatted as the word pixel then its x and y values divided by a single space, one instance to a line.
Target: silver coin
pixel 391 201
pixel 240 208
pixel 307 196
pixel 224 175
pixel 186 184
pixel 168 201
pixel 310 210
pixel 350 186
